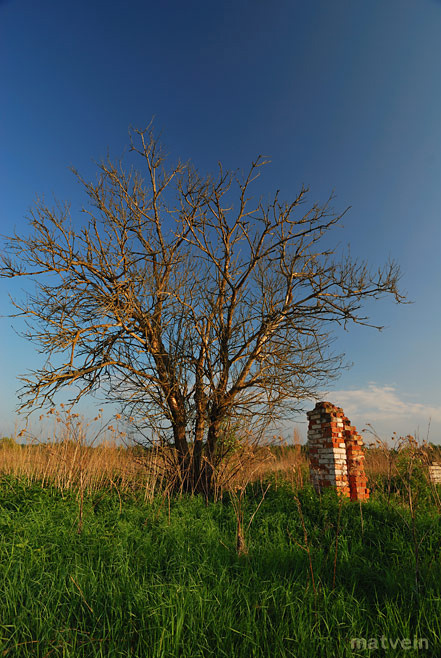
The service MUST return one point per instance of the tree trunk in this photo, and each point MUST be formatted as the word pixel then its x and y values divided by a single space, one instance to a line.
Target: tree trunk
pixel 182 480
pixel 195 474
pixel 196 466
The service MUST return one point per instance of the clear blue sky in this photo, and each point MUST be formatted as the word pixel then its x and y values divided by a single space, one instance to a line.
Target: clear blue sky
pixel 342 95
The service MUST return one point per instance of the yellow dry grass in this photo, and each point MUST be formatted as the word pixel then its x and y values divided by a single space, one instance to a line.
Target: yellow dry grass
pixel 72 458
pixel 77 455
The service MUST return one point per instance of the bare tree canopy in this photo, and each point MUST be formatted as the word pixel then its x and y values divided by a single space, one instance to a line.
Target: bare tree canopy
pixel 187 302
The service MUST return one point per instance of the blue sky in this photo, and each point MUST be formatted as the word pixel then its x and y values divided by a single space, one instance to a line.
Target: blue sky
pixel 342 95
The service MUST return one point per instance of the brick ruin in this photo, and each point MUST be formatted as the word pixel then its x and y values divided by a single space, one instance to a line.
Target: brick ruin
pixel 336 452
pixel 435 473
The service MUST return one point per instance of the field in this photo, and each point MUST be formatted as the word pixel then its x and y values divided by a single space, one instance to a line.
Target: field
pixel 99 559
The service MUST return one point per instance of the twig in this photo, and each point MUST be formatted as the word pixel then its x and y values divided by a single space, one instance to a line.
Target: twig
pixel 81 593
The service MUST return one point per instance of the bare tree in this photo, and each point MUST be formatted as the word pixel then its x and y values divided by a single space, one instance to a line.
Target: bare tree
pixel 189 304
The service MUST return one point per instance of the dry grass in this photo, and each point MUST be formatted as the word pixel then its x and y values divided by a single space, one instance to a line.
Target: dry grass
pixel 67 464
pixel 93 456
pixel 89 456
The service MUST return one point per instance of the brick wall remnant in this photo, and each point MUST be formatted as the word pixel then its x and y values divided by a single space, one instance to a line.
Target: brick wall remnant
pixel 336 452
pixel 435 472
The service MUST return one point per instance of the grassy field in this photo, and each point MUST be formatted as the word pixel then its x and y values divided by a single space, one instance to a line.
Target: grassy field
pixel 98 566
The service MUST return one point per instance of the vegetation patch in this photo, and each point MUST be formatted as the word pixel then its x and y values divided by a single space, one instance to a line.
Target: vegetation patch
pixel 163 577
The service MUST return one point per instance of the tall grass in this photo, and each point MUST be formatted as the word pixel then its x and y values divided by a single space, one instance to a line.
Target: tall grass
pixel 98 558
pixel 145 579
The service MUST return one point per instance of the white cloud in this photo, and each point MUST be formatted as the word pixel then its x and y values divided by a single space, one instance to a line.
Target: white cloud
pixel 387 411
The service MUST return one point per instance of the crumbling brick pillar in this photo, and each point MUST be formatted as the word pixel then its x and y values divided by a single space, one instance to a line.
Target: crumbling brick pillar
pixel 336 452
pixel 435 472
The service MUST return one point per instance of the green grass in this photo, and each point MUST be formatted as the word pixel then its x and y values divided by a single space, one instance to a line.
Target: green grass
pixel 153 580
